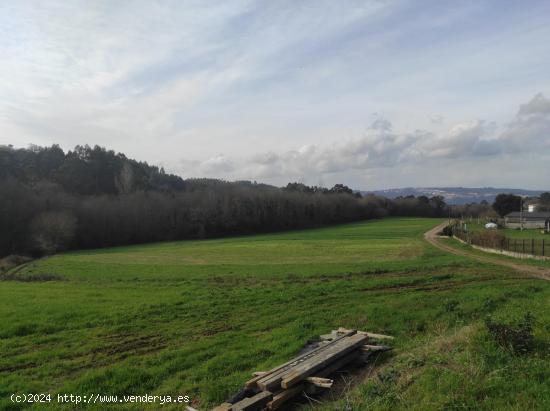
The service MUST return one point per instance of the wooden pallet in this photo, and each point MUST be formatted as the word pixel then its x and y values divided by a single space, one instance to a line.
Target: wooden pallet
pixel 307 372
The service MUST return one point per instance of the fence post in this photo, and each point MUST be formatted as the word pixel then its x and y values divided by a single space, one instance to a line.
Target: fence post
pixel 532 246
pixel 543 247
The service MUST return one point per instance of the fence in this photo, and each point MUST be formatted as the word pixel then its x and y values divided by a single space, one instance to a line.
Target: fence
pixel 493 239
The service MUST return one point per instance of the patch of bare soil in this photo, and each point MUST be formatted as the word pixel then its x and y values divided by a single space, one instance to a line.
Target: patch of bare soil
pixel 18 367
pixel 120 349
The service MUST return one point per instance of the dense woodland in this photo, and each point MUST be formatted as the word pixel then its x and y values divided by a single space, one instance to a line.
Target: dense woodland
pixel 92 197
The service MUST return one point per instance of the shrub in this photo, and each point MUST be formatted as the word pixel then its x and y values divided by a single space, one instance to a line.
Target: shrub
pixel 53 231
pixel 491 239
pixel 448 230
pixel 517 339
pixel 12 261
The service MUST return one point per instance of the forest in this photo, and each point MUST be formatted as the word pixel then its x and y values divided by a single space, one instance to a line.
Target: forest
pixel 91 197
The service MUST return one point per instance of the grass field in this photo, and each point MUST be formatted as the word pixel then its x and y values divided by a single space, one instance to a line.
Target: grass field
pixel 511 232
pixel 198 317
pixel 526 261
pixel 528 241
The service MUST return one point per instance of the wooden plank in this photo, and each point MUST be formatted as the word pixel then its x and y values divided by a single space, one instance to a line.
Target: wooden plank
pixel 318 362
pixel 223 407
pixel 267 382
pixel 285 395
pixel 337 333
pixel 376 336
pixel 368 334
pixel 342 347
pixel 320 382
pixel 254 381
pixel 342 330
pixel 340 364
pixel 256 376
pixel 272 381
pixel 375 348
pixel 255 403
pixel 327 337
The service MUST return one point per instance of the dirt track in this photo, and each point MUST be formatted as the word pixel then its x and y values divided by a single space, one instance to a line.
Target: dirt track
pixel 531 270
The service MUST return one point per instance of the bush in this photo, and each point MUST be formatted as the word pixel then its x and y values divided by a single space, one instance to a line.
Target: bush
pixel 447 230
pixel 490 238
pixel 11 261
pixel 53 231
pixel 450 229
pixel 518 339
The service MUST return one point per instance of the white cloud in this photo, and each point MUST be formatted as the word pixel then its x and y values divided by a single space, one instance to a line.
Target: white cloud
pixel 281 89
pixel 538 105
pixel 381 147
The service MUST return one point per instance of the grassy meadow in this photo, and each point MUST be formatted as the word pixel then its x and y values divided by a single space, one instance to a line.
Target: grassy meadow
pixel 535 233
pixel 198 317
pixel 516 236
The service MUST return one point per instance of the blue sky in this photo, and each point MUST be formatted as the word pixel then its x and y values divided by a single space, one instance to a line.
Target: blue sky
pixel 373 94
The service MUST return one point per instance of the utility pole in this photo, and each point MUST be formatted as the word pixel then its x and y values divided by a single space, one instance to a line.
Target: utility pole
pixel 521 214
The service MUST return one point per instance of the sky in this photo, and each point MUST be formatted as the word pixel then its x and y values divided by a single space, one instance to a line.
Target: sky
pixel 373 94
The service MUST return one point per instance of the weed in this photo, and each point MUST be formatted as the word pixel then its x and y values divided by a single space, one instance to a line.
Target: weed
pixel 451 305
pixel 388 376
pixel 517 339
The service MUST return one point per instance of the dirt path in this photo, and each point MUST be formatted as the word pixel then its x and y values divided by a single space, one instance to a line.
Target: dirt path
pixel 531 270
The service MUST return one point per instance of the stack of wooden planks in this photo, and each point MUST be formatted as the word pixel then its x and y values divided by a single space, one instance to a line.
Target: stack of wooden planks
pixel 307 372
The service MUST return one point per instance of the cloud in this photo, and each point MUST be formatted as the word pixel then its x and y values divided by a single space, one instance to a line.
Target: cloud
pixel 437 119
pixel 538 105
pixel 462 140
pixel 254 90
pixel 219 165
pixel 381 147
pixel 530 129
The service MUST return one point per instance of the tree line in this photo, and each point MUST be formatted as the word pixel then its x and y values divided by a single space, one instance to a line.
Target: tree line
pixel 507 203
pixel 91 197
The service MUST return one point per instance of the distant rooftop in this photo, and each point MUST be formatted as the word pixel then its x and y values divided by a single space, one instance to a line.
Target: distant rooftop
pixel 526 214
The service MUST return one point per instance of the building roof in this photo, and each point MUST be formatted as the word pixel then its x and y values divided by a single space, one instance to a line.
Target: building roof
pixel 535 214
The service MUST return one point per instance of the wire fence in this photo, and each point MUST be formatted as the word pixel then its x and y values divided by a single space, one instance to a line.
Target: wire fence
pixel 492 239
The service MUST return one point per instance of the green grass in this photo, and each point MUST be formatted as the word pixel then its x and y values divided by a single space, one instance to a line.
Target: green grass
pixel 528 261
pixel 354 247
pixel 511 232
pixel 198 317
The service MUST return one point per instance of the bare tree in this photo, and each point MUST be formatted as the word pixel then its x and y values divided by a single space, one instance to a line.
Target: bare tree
pixel 53 231
pixel 125 179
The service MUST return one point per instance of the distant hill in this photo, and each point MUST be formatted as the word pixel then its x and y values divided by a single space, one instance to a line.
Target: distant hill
pixel 453 195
